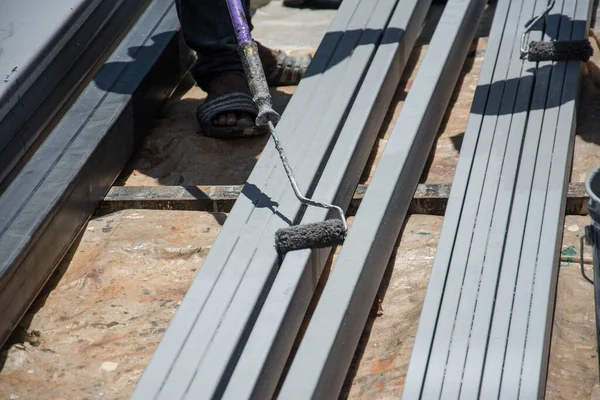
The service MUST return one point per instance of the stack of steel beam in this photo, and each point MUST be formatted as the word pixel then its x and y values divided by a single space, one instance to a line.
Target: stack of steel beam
pixel 320 365
pixel 328 130
pixel 47 204
pixel 48 49
pixel 486 321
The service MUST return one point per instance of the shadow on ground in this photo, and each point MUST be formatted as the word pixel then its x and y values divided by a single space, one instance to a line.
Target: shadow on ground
pixel 177 153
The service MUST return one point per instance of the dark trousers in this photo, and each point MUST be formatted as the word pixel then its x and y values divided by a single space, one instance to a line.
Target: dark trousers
pixel 207 30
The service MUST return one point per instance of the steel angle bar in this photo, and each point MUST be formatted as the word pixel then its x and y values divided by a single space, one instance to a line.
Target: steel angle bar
pixel 537 346
pixel 537 271
pixel 453 343
pixel 320 365
pixel 316 87
pixel 52 48
pixel 220 327
pixel 510 210
pixel 259 368
pixel 470 171
pixel 46 206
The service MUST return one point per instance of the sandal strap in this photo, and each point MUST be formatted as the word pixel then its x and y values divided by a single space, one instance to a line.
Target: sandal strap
pixel 233 101
pixel 224 103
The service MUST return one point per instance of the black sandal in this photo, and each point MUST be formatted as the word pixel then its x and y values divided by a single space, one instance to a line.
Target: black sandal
pixel 228 102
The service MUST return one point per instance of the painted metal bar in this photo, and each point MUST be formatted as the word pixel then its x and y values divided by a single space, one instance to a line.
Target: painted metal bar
pixel 61 185
pixel 50 49
pixel 470 171
pixel 505 261
pixel 310 89
pixel 479 207
pixel 514 188
pixel 492 217
pixel 495 203
pixel 532 274
pixel 326 350
pixel 208 351
pixel 537 348
pixel 263 358
pixel 428 199
pixel 515 252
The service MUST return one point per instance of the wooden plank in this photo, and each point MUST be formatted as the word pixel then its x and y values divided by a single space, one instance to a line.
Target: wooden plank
pixel 429 198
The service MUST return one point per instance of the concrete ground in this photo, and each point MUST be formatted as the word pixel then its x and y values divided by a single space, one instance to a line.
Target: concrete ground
pixel 94 328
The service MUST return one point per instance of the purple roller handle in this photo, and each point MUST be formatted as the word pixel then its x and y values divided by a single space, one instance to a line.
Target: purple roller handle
pixel 255 75
pixel 240 23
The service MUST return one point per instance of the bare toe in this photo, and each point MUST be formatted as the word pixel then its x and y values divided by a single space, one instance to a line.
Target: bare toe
pixel 231 119
pixel 245 120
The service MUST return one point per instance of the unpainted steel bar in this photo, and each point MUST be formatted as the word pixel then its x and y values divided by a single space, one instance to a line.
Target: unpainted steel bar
pixel 83 155
pixel 515 125
pixel 428 199
pixel 53 46
pixel 516 381
pixel 217 334
pixel 321 363
pixel 511 206
pixel 263 358
pixel 332 58
pixel 537 347
pixel 470 172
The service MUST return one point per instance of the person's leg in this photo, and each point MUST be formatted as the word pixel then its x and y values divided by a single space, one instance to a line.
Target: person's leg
pixel 207 29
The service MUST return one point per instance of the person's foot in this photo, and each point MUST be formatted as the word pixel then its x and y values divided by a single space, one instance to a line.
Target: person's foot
pixel 225 83
pixel 235 82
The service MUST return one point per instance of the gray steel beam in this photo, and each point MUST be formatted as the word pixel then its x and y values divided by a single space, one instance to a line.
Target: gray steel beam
pixel 537 347
pixel 450 346
pixel 470 171
pixel 326 350
pixel 263 358
pixel 467 322
pixel 505 256
pixel 47 205
pixel 511 205
pixel 51 48
pixel 215 339
pixel 537 272
pixel 486 257
pixel 323 72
